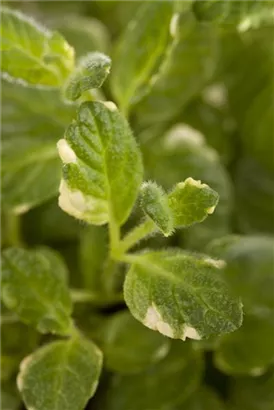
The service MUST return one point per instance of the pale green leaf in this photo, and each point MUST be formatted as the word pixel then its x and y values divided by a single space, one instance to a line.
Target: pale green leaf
pixel 61 375
pixel 188 65
pixel 36 290
pixel 139 50
pixel 250 350
pixel 202 399
pixel 163 385
pixel 191 202
pixel 154 202
pixel 246 13
pixel 31 53
pixel 181 295
pixel 102 168
pixel 93 252
pixel 129 347
pixel 91 72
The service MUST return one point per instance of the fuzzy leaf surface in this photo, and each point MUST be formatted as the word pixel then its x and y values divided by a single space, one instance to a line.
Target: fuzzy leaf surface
pixel 181 295
pixel 61 375
pixel 102 168
pixel 34 287
pixel 91 72
pixel 31 53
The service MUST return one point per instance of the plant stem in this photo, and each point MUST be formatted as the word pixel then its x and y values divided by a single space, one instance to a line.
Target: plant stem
pixel 134 236
pixel 13 229
pixel 83 296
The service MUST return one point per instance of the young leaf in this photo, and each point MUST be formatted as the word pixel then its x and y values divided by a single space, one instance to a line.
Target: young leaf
pixel 250 350
pixel 139 50
pixel 253 393
pixel 61 375
pixel 91 72
pixel 35 288
pixel 31 53
pixel 181 295
pixel 247 13
pixel 191 202
pixel 154 202
pixel 165 384
pixel 102 166
pixel 129 347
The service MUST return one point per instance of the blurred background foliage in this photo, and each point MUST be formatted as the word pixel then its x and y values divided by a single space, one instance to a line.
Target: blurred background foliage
pixel 211 118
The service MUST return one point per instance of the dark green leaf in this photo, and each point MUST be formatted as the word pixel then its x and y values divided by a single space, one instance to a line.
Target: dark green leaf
pixel 130 347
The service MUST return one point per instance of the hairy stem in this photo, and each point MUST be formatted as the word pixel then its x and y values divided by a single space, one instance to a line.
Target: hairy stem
pixel 138 233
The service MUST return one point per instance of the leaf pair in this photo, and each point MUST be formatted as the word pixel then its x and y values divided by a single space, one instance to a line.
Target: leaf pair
pixel 189 202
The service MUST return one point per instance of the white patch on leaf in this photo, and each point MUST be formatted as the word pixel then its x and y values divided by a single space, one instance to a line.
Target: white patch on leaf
pixel 82 206
pixel 257 371
pixel 66 153
pixel 174 24
pixel 217 263
pixel 191 333
pixel 21 209
pixel 110 105
pixel 153 320
pixel 211 209
pixel 23 367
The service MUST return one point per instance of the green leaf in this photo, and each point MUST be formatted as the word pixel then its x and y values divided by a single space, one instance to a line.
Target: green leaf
pixel 91 72
pixel 250 350
pixel 250 274
pixel 129 347
pixel 33 119
pixel 139 50
pixel 154 202
pixel 253 393
pixel 33 286
pixel 165 384
pixel 31 53
pixel 102 168
pixel 61 375
pixel 191 202
pixel 93 252
pixel 247 13
pixel 202 399
pixel 188 65
pixel 180 153
pixel 26 162
pixel 181 295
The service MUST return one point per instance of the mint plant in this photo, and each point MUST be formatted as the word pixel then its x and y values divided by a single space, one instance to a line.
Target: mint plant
pixel 128 257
